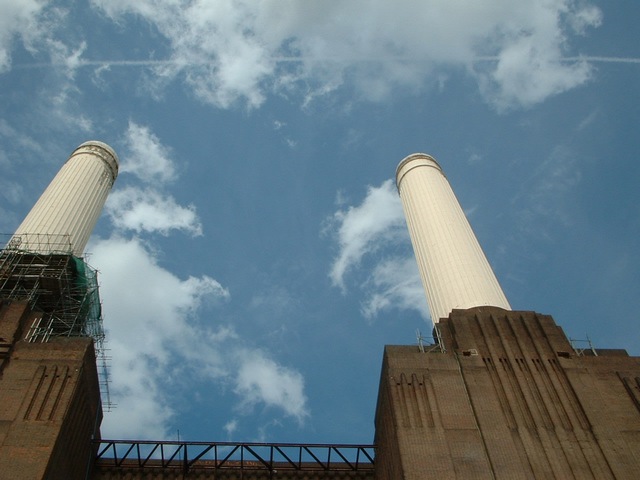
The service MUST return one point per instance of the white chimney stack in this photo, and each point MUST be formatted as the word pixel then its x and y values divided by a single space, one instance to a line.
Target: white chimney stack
pixel 455 273
pixel 63 218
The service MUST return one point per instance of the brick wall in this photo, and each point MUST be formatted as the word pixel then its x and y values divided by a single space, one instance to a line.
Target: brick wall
pixel 508 399
pixel 49 402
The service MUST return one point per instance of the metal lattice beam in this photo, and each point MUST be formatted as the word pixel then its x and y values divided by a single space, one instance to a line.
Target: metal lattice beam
pixel 186 456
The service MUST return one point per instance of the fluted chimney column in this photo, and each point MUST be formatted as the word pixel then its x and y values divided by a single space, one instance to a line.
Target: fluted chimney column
pixel 455 272
pixel 63 218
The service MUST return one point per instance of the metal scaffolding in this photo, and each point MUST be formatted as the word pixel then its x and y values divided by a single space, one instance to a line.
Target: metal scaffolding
pixel 63 287
pixel 39 242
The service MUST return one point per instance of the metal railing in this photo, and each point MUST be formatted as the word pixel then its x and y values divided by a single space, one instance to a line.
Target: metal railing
pixel 186 456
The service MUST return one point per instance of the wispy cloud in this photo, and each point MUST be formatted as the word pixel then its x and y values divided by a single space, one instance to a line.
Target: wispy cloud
pixel 77 62
pixel 589 58
pixel 394 284
pixel 41 28
pixel 261 380
pixel 227 52
pixel 18 18
pixel 546 201
pixel 364 228
pixel 544 211
pixel 242 50
pixel 377 224
pixel 147 158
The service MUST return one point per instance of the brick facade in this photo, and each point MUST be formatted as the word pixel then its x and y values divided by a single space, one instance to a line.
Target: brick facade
pixel 508 398
pixel 49 401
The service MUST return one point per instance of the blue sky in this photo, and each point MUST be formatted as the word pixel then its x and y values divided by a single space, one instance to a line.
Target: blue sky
pixel 253 256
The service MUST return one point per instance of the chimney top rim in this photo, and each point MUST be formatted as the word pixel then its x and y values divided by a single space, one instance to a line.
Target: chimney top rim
pixel 104 146
pixel 427 161
pixel 108 154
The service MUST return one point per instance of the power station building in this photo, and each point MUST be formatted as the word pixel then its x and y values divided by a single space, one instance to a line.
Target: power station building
pixel 50 324
pixel 501 394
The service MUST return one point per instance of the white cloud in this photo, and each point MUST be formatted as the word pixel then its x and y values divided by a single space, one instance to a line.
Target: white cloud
pixel 61 106
pixel 391 280
pixel 528 71
pixel 58 104
pixel 65 57
pixel 140 287
pixel 588 120
pixel 18 18
pixel 147 158
pixel 43 30
pixel 152 315
pixel 141 409
pixel 261 380
pixel 395 284
pixel 148 314
pixel 22 141
pixel 154 337
pixel 273 302
pixel 147 210
pixel 242 50
pixel 365 228
pixel 150 311
pixel 585 17
pixel 231 426
pixel 474 157
pixel 42 27
pixel 546 202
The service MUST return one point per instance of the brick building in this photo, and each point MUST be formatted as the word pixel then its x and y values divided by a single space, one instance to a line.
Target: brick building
pixel 505 396
pixel 502 394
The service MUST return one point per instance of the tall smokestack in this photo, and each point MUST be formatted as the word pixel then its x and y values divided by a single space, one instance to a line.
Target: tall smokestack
pixel 455 273
pixel 62 219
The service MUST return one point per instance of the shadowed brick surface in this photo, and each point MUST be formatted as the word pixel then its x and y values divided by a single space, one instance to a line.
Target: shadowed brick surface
pixel 508 399
pixel 49 401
